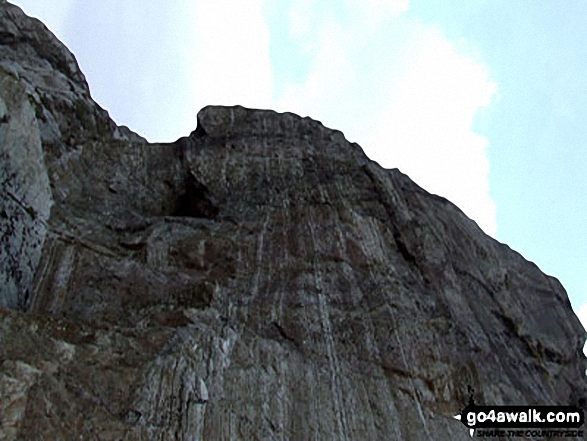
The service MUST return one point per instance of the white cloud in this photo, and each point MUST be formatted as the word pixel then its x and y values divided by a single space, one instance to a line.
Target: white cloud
pixel 231 62
pixel 408 96
pixel 369 15
pixel 426 130
pixel 300 18
pixel 383 7
pixel 330 75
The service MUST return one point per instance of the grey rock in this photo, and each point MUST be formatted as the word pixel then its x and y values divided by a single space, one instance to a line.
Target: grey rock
pixel 53 81
pixel 26 197
pixel 260 278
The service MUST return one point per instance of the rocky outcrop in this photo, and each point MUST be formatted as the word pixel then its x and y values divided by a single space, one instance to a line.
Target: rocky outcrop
pixel 258 279
pixel 45 104
pixel 26 196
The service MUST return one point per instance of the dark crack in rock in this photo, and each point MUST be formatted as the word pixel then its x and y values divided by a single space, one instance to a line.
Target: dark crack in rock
pixel 258 279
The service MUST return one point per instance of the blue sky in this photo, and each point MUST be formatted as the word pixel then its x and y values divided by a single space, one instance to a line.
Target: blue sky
pixel 483 102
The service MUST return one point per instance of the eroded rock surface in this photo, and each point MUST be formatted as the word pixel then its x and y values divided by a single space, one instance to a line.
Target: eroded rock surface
pixel 258 279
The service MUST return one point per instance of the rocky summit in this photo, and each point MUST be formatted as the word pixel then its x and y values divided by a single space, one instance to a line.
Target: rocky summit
pixel 260 278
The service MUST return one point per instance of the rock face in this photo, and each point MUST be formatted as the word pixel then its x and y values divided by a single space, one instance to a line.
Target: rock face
pixel 45 104
pixel 258 279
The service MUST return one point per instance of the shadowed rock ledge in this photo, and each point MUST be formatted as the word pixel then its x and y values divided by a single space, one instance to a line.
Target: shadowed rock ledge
pixel 258 279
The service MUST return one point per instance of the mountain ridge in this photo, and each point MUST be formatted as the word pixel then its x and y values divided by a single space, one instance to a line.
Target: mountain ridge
pixel 260 278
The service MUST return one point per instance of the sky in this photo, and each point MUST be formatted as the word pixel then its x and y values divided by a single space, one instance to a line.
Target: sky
pixel 483 102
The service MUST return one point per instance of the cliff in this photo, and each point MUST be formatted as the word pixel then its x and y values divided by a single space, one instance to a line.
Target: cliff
pixel 260 278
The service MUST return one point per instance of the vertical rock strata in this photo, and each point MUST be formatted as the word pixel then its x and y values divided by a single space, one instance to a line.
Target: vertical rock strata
pixel 258 279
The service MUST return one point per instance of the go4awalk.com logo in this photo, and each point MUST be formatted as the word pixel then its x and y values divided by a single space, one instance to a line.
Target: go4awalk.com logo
pixel 522 421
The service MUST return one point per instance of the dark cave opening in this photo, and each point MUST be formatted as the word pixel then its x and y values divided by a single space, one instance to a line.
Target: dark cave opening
pixel 195 201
